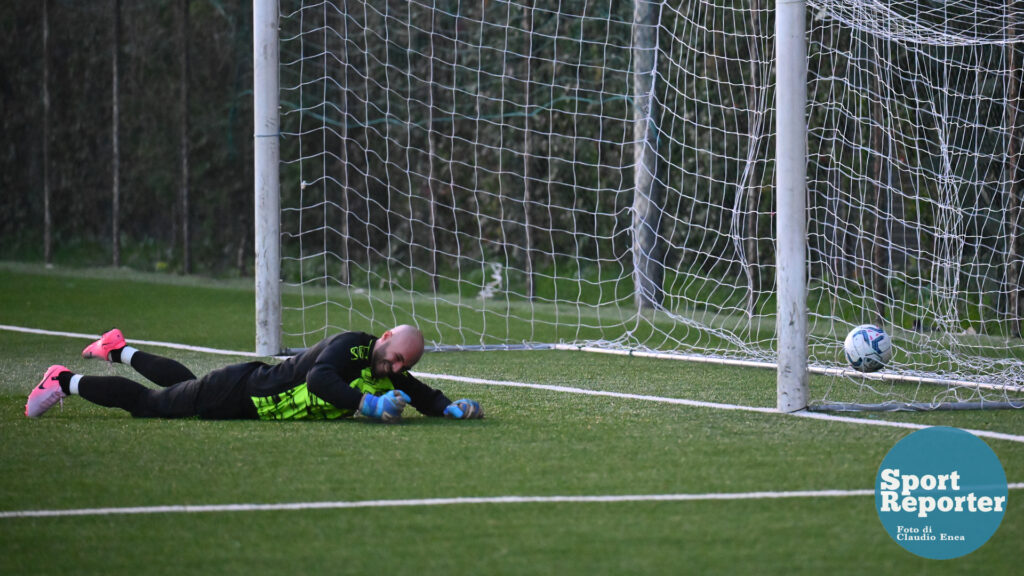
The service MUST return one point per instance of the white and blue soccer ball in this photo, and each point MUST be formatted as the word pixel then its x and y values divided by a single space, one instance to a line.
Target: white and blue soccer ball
pixel 868 348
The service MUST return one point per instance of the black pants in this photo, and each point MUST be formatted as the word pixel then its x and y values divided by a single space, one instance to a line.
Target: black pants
pixel 219 395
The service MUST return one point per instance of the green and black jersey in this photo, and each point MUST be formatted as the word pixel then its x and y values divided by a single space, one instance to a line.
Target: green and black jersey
pixel 328 381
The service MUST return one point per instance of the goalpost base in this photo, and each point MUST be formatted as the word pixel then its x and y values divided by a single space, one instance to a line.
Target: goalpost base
pixel 915 406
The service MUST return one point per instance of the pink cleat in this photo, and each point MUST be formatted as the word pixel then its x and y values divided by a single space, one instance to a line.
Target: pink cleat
pixel 101 348
pixel 46 394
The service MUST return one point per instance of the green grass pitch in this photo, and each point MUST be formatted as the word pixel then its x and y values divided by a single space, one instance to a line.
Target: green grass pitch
pixel 532 443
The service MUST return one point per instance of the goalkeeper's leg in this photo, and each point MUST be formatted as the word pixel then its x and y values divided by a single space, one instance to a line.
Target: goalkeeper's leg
pixel 157 369
pixel 176 401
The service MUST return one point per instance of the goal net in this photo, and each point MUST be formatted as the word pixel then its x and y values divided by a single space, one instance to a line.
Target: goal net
pixel 600 175
pixel 915 192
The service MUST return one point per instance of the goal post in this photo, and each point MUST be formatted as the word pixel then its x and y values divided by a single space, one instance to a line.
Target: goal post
pixel 648 192
pixel 266 176
pixel 725 180
pixel 792 388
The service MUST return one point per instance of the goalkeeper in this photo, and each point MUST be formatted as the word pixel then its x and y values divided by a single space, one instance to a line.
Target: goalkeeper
pixel 341 376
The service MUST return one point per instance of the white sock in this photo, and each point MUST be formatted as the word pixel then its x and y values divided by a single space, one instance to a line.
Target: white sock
pixel 126 355
pixel 73 386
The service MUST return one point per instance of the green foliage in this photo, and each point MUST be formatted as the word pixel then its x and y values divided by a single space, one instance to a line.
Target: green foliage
pixel 150 121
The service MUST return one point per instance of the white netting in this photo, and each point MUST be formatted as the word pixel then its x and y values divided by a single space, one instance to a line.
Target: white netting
pixel 915 189
pixel 473 167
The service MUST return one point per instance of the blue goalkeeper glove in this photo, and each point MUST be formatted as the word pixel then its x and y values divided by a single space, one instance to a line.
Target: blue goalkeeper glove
pixel 464 409
pixel 386 407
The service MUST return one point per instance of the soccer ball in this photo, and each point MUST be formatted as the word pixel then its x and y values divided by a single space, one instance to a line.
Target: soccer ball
pixel 868 348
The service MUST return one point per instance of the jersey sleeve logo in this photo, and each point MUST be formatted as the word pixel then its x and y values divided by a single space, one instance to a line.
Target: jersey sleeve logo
pixel 360 352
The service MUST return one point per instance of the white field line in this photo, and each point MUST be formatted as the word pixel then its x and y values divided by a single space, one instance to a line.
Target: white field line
pixel 716 405
pixel 130 341
pixel 186 509
pixel 288 506
pixel 565 389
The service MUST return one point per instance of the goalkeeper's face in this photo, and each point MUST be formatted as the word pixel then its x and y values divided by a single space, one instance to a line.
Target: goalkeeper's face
pixel 396 351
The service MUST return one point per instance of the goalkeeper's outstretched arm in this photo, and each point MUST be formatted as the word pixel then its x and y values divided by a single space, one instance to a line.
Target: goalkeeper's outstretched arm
pixel 432 402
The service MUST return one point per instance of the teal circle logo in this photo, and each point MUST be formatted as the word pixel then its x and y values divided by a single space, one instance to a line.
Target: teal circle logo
pixel 941 493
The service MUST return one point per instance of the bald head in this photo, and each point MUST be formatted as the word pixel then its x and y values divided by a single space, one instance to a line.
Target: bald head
pixel 397 350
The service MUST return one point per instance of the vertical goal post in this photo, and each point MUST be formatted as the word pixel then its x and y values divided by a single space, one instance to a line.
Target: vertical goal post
pixel 266 176
pixel 791 204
